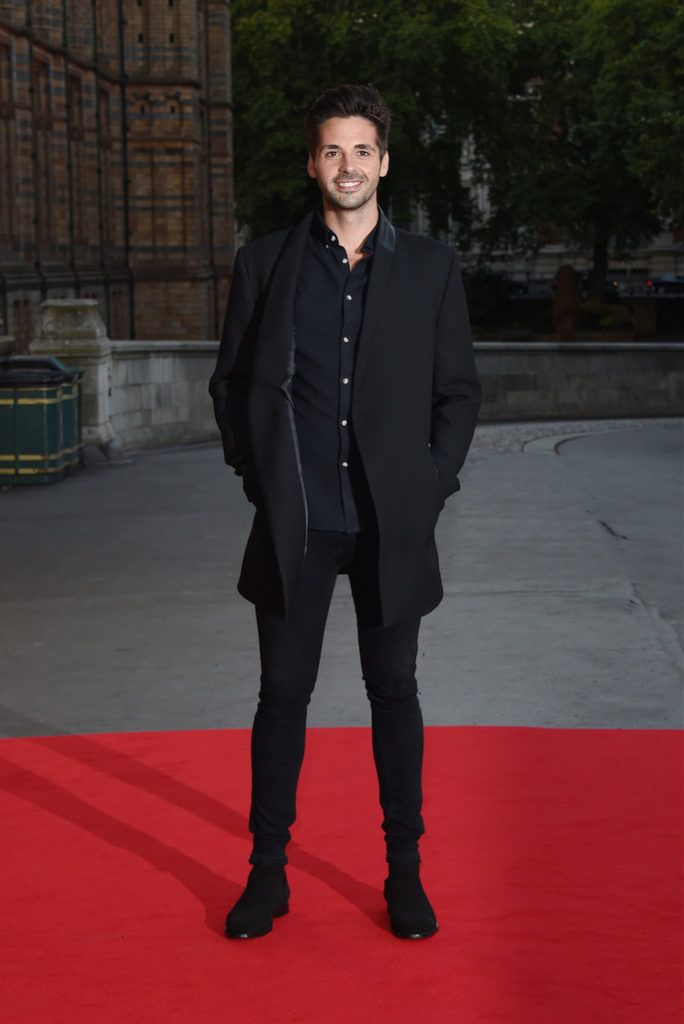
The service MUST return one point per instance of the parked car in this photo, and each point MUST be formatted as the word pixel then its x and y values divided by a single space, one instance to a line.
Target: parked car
pixel 666 284
pixel 542 287
pixel 516 288
pixel 629 282
pixel 582 284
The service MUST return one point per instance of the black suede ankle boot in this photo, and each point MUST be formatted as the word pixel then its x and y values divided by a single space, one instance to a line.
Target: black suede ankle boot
pixel 265 896
pixel 410 911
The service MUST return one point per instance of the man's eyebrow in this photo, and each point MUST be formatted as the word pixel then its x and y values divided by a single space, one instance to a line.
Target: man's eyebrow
pixel 357 145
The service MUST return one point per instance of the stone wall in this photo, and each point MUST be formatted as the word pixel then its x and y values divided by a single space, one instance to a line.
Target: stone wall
pixel 159 389
pixel 159 392
pixel 580 380
pixel 146 394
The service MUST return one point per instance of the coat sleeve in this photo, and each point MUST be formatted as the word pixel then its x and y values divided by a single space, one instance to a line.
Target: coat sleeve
pixel 456 391
pixel 228 383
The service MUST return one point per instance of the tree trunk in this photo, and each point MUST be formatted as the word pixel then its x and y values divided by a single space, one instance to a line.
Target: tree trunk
pixel 599 271
pixel 565 304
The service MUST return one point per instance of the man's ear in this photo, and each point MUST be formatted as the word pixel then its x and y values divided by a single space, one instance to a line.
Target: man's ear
pixel 310 167
pixel 384 164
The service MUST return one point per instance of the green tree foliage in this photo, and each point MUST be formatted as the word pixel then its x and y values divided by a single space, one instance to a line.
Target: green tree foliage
pixel 591 149
pixel 643 65
pixel 574 107
pixel 438 65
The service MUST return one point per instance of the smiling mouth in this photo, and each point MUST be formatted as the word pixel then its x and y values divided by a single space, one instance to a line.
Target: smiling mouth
pixel 348 186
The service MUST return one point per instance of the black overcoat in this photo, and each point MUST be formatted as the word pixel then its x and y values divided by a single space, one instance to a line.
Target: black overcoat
pixel 414 406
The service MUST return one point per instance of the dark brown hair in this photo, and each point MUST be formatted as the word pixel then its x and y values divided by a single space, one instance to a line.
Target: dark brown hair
pixel 348 101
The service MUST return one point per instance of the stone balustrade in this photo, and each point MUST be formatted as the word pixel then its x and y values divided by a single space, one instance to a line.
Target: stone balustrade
pixel 140 394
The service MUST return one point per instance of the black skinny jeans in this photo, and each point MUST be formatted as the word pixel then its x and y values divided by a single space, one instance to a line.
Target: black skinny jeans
pixel 290 657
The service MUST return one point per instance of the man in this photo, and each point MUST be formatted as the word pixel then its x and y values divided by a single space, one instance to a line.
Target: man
pixel 346 394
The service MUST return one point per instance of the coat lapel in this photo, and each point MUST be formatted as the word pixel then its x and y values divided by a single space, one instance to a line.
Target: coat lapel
pixel 274 339
pixel 376 296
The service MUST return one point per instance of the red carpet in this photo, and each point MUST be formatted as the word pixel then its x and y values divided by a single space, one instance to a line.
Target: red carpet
pixel 553 859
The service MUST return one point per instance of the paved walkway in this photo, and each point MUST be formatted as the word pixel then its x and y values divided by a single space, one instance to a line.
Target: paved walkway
pixel 562 565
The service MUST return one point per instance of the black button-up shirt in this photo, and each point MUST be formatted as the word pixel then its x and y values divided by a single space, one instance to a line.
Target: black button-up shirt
pixel 328 315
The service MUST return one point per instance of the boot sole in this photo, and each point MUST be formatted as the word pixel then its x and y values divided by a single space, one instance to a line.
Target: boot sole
pixel 279 912
pixel 414 935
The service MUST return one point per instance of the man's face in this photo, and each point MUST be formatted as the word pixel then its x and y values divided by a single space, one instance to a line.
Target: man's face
pixel 347 163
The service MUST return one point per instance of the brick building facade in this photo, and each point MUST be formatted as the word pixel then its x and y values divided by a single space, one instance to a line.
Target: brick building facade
pixel 116 163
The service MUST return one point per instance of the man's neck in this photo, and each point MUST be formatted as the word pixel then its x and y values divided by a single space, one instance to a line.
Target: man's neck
pixel 352 227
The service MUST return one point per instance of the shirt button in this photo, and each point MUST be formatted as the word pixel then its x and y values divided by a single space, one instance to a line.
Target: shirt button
pixel 345 463
pixel 345 380
pixel 346 341
pixel 345 260
pixel 349 297
pixel 344 423
pixel 333 238
pixel 327 246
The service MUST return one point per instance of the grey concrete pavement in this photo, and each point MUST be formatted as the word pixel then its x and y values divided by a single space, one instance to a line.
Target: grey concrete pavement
pixel 562 566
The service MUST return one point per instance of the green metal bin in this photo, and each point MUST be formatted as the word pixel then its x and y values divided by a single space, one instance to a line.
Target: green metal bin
pixel 72 397
pixel 34 447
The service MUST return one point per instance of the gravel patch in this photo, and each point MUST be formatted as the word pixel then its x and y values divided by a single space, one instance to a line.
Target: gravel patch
pixel 511 437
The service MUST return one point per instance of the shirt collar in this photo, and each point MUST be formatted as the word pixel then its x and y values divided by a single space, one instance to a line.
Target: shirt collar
pixel 322 233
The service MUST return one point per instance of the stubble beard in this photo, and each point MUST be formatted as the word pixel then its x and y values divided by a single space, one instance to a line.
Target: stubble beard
pixel 353 201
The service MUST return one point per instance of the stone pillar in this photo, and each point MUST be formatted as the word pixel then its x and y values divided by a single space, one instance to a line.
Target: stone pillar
pixel 73 331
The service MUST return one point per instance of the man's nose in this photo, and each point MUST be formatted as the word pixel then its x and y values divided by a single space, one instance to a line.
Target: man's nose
pixel 347 163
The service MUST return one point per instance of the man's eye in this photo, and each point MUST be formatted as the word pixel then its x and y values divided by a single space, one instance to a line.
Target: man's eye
pixel 331 152
pixel 363 152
